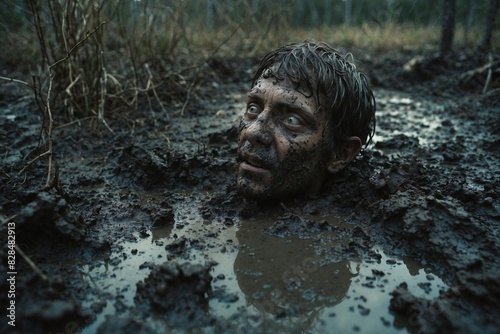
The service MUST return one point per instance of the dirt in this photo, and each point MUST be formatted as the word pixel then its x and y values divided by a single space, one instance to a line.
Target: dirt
pixel 145 233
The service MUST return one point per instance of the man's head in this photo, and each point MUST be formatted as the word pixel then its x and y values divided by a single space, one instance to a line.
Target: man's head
pixel 308 113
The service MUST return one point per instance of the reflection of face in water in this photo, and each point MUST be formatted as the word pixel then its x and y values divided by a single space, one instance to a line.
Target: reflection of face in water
pixel 284 276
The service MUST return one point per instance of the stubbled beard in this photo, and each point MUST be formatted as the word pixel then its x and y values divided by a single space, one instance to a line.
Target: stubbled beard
pixel 295 174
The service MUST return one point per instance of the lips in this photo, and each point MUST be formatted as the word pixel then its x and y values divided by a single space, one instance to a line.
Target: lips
pixel 253 163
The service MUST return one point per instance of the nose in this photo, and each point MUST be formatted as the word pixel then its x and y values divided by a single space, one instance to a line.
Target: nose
pixel 259 131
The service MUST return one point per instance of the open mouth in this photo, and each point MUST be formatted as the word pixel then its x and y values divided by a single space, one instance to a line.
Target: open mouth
pixel 253 164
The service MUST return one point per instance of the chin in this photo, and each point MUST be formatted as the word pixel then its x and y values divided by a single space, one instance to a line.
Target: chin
pixel 259 187
pixel 252 185
pixel 249 189
pixel 258 192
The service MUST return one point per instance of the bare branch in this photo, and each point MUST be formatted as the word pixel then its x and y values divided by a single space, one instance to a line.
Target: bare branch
pixel 32 265
pixel 200 67
pixel 76 46
pixel 488 76
pixel 18 81
pixel 8 220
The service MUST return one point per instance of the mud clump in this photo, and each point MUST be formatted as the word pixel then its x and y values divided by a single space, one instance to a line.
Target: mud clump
pixel 163 217
pixel 438 229
pixel 52 315
pixel 293 225
pixel 434 227
pixel 118 325
pixel 177 293
pixel 48 217
pixel 428 189
pixel 410 307
pixel 177 246
pixel 398 142
pixel 154 168
pixel 45 309
pixel 441 315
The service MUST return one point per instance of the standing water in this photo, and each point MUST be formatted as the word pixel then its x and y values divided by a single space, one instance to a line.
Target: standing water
pixel 267 283
pixel 261 282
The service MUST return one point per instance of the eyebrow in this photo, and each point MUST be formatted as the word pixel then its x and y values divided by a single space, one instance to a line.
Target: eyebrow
pixel 308 116
pixel 255 97
pixel 260 99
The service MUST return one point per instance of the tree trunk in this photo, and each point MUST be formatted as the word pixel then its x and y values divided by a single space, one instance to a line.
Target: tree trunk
pixel 490 21
pixel 347 12
pixel 314 14
pixel 327 14
pixel 448 29
pixel 210 15
pixel 470 16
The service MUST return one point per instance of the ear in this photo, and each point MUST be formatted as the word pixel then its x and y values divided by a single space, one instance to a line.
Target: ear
pixel 341 158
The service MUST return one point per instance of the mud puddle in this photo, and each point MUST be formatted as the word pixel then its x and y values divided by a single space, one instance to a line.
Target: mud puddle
pixel 261 279
pixel 400 114
pixel 120 258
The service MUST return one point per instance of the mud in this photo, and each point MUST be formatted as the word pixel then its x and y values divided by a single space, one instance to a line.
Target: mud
pixel 145 233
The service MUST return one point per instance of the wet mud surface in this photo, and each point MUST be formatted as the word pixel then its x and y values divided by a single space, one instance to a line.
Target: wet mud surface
pixel 146 234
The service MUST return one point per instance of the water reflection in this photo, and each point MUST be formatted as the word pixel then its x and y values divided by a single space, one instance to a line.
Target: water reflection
pixel 285 277
pixel 289 286
pixel 270 283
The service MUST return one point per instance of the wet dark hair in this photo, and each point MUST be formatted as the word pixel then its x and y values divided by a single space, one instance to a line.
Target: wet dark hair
pixel 338 86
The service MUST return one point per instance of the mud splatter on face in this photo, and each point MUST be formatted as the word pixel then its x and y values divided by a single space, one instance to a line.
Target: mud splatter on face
pixel 280 149
pixel 267 73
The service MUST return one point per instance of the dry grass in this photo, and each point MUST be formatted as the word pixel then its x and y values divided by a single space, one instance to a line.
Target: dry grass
pixel 391 37
pixel 155 51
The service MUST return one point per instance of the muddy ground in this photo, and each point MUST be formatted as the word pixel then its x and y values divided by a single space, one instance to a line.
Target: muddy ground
pixel 144 232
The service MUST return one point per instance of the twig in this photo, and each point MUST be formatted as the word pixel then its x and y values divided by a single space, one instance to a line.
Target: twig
pixel 200 66
pixel 188 96
pixel 150 81
pixel 488 77
pixel 50 128
pixel 17 81
pixel 75 121
pixel 167 139
pixel 76 46
pixel 106 125
pixel 49 135
pixel 102 99
pixel 32 162
pixel 465 77
pixel 48 112
pixel 8 220
pixel 135 90
pixel 55 181
pixel 32 265
pixel 264 35
pixel 68 89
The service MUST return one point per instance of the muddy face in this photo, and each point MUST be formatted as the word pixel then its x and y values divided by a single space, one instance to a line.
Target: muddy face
pixel 280 147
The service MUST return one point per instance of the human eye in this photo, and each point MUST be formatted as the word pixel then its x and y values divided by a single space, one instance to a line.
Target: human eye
pixel 253 110
pixel 293 123
pixel 292 120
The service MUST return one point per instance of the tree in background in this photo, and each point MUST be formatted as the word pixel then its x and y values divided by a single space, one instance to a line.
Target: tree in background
pixel 490 21
pixel 347 12
pixel 448 29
